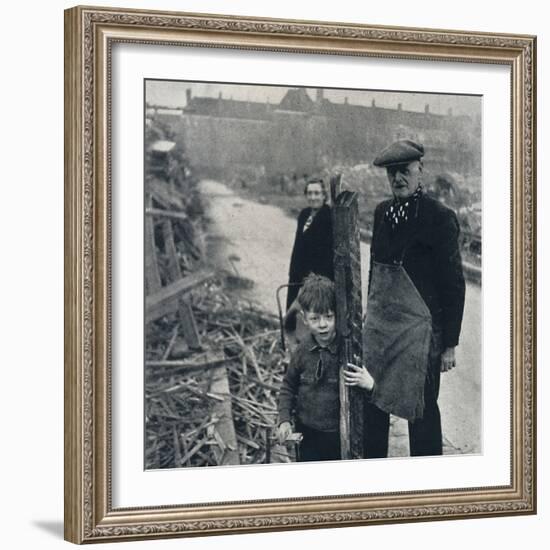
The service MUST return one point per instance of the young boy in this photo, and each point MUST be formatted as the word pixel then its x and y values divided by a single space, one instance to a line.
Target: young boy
pixel 309 392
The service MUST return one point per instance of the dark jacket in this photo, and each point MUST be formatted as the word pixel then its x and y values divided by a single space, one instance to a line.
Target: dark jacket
pixel 428 246
pixel 309 392
pixel 312 251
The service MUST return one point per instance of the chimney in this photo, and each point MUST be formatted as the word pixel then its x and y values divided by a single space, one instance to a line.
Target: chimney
pixel 427 108
pixel 319 95
pixel 188 95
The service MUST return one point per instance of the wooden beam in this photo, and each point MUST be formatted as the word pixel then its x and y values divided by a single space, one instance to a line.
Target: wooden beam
pixel 158 212
pixel 205 362
pixel 224 411
pixel 166 300
pixel 174 270
pixel 152 275
pixel 185 313
pixel 347 278
pixel 188 325
pixel 335 187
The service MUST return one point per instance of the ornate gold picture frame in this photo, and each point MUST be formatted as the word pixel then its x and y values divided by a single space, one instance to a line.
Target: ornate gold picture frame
pixel 91 34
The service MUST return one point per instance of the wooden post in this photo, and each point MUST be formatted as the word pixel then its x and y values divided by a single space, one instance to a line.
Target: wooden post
pixel 226 427
pixel 189 325
pixel 335 187
pixel 152 276
pixel 347 279
pixel 171 252
pixel 185 312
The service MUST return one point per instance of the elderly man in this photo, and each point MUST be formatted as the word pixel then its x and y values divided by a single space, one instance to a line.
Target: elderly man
pixel 414 308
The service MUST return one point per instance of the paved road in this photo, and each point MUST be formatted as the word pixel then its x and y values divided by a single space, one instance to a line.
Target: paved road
pixel 261 236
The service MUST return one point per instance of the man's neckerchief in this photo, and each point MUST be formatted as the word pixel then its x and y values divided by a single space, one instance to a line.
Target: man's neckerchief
pixel 399 212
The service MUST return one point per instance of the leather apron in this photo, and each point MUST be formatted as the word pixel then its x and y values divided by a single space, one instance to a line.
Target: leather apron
pixel 397 337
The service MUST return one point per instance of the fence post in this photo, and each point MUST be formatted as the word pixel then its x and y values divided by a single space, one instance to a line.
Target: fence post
pixel 347 279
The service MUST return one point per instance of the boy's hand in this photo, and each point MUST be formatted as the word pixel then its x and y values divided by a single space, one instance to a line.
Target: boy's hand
pixel 358 376
pixel 283 431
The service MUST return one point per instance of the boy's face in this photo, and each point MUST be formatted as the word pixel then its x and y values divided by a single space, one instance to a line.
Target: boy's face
pixel 321 325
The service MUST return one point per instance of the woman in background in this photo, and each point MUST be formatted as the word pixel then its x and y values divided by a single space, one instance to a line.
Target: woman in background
pixel 313 249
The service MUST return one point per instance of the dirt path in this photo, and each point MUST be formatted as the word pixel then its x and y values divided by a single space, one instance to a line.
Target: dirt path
pixel 261 237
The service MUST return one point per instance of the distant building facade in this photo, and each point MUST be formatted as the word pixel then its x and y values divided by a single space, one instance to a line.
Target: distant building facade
pixel 301 135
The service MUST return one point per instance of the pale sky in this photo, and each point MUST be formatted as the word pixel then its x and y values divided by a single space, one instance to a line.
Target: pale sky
pixel 172 94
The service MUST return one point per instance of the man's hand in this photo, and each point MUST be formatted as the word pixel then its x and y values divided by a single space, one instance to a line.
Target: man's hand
pixel 448 360
pixel 283 431
pixel 355 375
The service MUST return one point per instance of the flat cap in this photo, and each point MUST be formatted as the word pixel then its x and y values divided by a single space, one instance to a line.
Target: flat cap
pixel 400 152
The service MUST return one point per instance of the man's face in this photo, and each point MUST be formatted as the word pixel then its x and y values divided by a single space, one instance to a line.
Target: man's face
pixel 404 178
pixel 315 196
pixel 321 325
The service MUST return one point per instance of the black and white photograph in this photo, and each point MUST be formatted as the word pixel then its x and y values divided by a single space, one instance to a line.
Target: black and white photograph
pixel 312 274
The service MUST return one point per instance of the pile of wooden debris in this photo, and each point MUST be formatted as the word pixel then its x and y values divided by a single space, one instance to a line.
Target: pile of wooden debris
pixel 213 363
pixel 218 406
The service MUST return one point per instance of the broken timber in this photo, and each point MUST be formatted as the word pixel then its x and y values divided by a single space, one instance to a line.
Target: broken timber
pixel 171 298
pixel 167 298
pixel 174 270
pixel 166 214
pixel 152 275
pixel 207 362
pixel 227 452
pixel 186 317
pixel 347 279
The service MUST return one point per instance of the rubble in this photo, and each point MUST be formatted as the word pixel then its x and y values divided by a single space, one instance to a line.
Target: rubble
pixel 182 427
pixel 213 361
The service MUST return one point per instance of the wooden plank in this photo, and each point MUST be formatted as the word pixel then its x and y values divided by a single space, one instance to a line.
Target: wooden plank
pixel 152 275
pixel 163 195
pixel 224 411
pixel 174 270
pixel 158 212
pixel 206 363
pixel 347 278
pixel 188 325
pixel 185 313
pixel 335 187
pixel 170 345
pixel 166 300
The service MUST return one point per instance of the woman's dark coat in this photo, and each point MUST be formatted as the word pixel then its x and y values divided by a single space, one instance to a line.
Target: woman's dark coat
pixel 312 251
